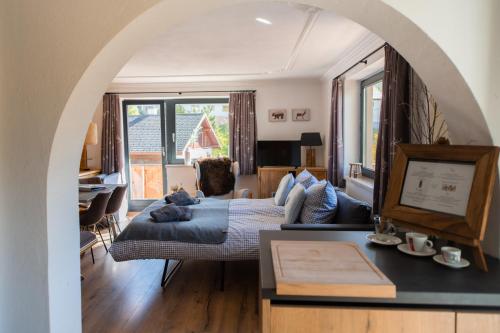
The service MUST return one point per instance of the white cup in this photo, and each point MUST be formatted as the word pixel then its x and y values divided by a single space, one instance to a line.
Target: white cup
pixel 451 255
pixel 417 242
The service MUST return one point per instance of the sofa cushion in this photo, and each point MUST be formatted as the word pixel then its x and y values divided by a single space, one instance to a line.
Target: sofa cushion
pixel 306 179
pixel 351 211
pixel 320 204
pixel 294 202
pixel 284 188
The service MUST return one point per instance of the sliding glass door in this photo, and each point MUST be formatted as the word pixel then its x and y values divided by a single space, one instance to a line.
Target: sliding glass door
pixel 144 128
pixel 159 133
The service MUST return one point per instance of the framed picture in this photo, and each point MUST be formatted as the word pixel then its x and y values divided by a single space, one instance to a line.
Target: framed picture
pixel 301 114
pixel 277 115
pixel 443 190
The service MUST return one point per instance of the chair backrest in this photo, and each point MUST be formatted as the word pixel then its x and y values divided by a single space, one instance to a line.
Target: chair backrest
pixel 115 201
pixel 97 209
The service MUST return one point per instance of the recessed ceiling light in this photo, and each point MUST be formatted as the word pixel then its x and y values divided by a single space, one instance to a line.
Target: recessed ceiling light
pixel 263 21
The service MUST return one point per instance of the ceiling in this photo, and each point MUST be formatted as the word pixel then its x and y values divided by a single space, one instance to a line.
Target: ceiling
pixel 230 44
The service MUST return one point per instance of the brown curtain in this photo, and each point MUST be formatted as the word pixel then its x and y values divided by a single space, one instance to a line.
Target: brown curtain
pixel 335 139
pixel 243 131
pixel 394 121
pixel 112 143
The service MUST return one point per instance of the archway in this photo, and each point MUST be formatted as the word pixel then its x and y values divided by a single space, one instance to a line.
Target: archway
pixel 429 60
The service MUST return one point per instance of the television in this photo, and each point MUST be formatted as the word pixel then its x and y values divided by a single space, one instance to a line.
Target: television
pixel 278 153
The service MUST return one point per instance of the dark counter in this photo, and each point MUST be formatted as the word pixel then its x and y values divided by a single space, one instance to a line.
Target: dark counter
pixel 420 282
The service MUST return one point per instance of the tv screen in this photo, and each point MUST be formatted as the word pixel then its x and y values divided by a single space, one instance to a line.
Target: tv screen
pixel 278 153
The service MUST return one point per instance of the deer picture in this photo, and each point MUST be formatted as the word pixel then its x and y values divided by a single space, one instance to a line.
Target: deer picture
pixel 301 115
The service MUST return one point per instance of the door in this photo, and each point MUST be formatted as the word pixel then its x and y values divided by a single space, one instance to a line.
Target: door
pixel 145 151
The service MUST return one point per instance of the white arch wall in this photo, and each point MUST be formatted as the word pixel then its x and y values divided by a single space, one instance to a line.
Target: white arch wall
pixel 46 48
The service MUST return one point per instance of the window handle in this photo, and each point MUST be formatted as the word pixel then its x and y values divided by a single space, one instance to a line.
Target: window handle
pixel 163 151
pixel 173 137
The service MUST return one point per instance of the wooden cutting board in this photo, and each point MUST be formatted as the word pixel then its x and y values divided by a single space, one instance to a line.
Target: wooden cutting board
pixel 327 268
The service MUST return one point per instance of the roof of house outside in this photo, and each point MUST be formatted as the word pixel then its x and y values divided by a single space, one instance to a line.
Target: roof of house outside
pixel 144 131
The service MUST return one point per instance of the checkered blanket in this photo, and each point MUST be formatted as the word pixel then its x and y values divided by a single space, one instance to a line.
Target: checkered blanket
pixel 246 218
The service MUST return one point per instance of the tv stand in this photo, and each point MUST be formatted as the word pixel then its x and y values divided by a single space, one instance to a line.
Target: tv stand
pixel 269 177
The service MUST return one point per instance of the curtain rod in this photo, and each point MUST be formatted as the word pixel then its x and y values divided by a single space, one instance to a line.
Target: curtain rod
pixel 364 60
pixel 178 92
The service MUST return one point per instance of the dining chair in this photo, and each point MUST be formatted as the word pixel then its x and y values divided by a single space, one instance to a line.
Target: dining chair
pixel 87 240
pixel 95 213
pixel 114 204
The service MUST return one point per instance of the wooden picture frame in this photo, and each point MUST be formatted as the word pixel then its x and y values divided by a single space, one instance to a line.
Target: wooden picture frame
pixel 468 229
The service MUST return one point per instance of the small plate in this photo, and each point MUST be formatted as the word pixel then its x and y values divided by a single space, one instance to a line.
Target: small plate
pixel 384 239
pixel 439 259
pixel 428 251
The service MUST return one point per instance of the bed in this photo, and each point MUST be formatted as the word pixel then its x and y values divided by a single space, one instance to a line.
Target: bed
pixel 245 218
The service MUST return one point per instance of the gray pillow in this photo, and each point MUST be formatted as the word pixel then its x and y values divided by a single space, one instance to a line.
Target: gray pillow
pixel 306 179
pixel 293 203
pixel 320 205
pixel 351 211
pixel 284 188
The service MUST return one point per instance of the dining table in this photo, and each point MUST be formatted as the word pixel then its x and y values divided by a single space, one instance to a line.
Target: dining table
pixel 86 197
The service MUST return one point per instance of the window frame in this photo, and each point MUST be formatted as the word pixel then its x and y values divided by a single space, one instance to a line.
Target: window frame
pixel 379 76
pixel 170 129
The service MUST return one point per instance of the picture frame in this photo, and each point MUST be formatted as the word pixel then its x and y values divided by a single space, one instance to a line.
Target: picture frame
pixel 277 115
pixel 452 170
pixel 301 114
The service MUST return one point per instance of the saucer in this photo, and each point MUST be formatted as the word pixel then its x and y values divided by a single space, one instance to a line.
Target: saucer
pixel 439 259
pixel 428 251
pixel 383 239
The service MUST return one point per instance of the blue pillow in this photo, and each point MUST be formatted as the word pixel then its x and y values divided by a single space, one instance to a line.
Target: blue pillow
pixel 284 188
pixel 306 179
pixel 293 203
pixel 320 205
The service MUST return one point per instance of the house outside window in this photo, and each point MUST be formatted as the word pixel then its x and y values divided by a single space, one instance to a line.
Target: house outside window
pixel 371 100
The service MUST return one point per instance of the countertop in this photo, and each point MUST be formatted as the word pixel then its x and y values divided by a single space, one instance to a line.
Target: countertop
pixel 420 282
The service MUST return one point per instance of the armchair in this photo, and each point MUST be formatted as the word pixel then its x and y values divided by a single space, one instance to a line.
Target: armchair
pixel 218 178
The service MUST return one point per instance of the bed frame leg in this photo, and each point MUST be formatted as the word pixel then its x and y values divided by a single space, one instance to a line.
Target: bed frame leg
pixel 222 273
pixel 168 274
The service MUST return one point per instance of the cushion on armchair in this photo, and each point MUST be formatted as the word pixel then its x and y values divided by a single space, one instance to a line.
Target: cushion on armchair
pixel 215 176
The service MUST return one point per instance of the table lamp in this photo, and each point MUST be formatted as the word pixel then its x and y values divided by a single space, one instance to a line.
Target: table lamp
pixel 310 140
pixel 90 139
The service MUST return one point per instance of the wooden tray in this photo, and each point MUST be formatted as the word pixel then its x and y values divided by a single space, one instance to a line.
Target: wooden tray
pixel 327 268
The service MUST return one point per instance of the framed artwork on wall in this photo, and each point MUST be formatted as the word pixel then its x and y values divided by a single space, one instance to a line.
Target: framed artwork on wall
pixel 443 190
pixel 301 114
pixel 277 115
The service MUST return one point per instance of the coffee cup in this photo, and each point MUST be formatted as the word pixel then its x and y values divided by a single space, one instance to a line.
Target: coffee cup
pixel 417 242
pixel 451 255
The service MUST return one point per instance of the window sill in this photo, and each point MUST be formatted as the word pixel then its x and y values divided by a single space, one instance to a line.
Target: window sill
pixel 364 182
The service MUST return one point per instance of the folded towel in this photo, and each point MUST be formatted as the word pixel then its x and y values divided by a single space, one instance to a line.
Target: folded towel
pixel 181 198
pixel 171 213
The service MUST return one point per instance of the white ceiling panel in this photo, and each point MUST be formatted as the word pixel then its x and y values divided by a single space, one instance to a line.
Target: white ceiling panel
pixel 230 44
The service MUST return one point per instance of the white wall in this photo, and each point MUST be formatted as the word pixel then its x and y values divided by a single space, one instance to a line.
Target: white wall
pixel 57 58
pixel 94 151
pixel 270 94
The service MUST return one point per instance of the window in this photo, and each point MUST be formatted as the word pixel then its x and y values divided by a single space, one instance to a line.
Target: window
pixel 159 133
pixel 371 99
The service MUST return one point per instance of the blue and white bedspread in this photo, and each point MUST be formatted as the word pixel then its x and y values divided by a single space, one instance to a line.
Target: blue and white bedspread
pixel 246 218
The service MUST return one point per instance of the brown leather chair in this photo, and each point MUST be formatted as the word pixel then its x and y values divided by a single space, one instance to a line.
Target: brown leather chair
pixel 93 216
pixel 114 204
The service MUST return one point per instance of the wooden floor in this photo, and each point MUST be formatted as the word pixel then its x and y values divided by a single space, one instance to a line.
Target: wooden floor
pixel 127 297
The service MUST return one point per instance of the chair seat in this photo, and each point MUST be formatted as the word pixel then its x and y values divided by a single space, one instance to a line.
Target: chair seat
pixel 87 239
